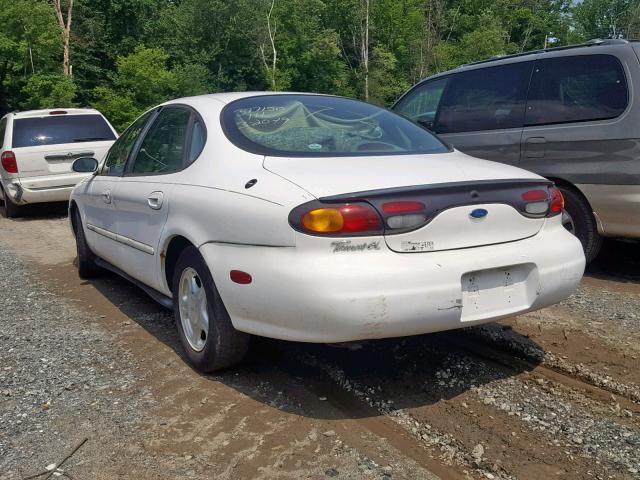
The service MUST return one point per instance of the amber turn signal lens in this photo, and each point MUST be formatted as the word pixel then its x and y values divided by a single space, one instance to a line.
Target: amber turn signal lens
pixel 323 220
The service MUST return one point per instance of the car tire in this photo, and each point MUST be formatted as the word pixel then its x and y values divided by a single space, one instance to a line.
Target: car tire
pixel 583 220
pixel 211 344
pixel 87 267
pixel 10 209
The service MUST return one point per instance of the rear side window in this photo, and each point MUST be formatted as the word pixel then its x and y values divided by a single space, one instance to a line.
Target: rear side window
pixel 198 139
pixel 3 128
pixel 162 149
pixel 485 99
pixel 576 89
pixel 57 129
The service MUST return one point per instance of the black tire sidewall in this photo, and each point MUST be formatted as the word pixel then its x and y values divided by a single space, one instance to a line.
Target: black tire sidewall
pixel 10 209
pixel 586 228
pixel 224 346
pixel 87 267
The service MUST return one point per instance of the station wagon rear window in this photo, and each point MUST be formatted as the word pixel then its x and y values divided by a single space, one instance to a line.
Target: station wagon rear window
pixel 57 129
pixel 322 126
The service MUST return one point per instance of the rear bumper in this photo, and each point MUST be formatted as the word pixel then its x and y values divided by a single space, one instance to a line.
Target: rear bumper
pixel 29 190
pixel 617 208
pixel 316 295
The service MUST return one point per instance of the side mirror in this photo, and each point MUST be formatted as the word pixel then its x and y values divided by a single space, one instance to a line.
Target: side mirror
pixel 85 165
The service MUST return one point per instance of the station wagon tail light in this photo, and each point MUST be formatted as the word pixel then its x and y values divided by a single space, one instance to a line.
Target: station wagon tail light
pixel 9 162
pixel 557 201
pixel 350 218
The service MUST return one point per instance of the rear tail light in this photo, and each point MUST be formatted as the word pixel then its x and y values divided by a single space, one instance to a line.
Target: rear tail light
pixel 540 202
pixel 58 112
pixel 403 207
pixel 9 162
pixel 557 201
pixel 350 218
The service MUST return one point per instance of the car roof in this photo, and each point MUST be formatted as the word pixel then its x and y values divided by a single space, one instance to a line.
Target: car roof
pixel 47 112
pixel 228 97
pixel 534 54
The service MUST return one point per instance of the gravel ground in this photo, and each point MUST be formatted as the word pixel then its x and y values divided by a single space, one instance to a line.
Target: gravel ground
pixel 100 361
pixel 62 379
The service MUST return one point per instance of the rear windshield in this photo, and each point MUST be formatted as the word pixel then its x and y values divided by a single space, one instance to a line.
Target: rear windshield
pixel 322 126
pixel 55 129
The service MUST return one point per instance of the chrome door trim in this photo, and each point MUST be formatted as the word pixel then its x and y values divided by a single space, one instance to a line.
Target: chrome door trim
pixel 143 247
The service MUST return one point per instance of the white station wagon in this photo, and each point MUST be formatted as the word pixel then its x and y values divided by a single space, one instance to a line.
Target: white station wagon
pixel 317 219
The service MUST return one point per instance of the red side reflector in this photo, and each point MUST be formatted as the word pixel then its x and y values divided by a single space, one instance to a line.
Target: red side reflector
pixel 238 276
pixel 403 207
pixel 9 162
pixel 535 196
pixel 58 112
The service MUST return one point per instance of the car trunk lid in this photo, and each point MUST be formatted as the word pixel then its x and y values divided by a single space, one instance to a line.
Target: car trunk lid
pixel 441 202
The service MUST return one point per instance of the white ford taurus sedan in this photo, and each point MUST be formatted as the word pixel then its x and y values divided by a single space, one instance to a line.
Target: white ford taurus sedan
pixel 318 219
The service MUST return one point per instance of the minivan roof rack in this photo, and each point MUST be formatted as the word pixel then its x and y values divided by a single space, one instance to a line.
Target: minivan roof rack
pixel 590 43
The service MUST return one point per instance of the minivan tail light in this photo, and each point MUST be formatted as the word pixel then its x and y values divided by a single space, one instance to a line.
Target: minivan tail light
pixel 557 201
pixel 345 219
pixel 9 162
pixel 58 112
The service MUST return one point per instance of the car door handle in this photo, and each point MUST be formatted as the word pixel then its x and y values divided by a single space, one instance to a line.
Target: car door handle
pixel 154 200
pixel 106 196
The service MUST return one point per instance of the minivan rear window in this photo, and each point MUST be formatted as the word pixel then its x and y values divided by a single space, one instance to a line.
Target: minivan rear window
pixel 322 126
pixel 576 89
pixel 57 129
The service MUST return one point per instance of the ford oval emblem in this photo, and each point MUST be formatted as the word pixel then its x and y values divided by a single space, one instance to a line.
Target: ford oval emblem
pixel 478 213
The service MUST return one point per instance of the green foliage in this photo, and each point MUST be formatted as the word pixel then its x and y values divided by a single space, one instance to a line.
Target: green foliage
pixel 120 110
pixel 48 91
pixel 608 18
pixel 30 44
pixel 129 55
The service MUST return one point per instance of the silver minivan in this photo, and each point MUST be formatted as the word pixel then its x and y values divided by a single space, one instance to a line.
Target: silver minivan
pixel 570 114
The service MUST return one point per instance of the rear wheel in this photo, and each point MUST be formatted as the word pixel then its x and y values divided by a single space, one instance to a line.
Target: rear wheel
pixel 209 339
pixel 10 209
pixel 87 267
pixel 578 218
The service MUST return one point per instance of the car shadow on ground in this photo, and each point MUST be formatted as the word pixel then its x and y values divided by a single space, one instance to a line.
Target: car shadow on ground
pixel 619 260
pixel 297 377
pixel 41 211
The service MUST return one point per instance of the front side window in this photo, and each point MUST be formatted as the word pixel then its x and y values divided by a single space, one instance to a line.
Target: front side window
pixel 58 129
pixel 119 152
pixel 162 150
pixel 576 89
pixel 421 103
pixel 487 98
pixel 322 126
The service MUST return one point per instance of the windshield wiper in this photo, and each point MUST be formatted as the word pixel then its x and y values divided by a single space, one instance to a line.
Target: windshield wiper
pixel 90 139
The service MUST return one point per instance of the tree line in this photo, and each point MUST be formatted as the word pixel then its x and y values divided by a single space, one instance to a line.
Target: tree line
pixel 123 56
